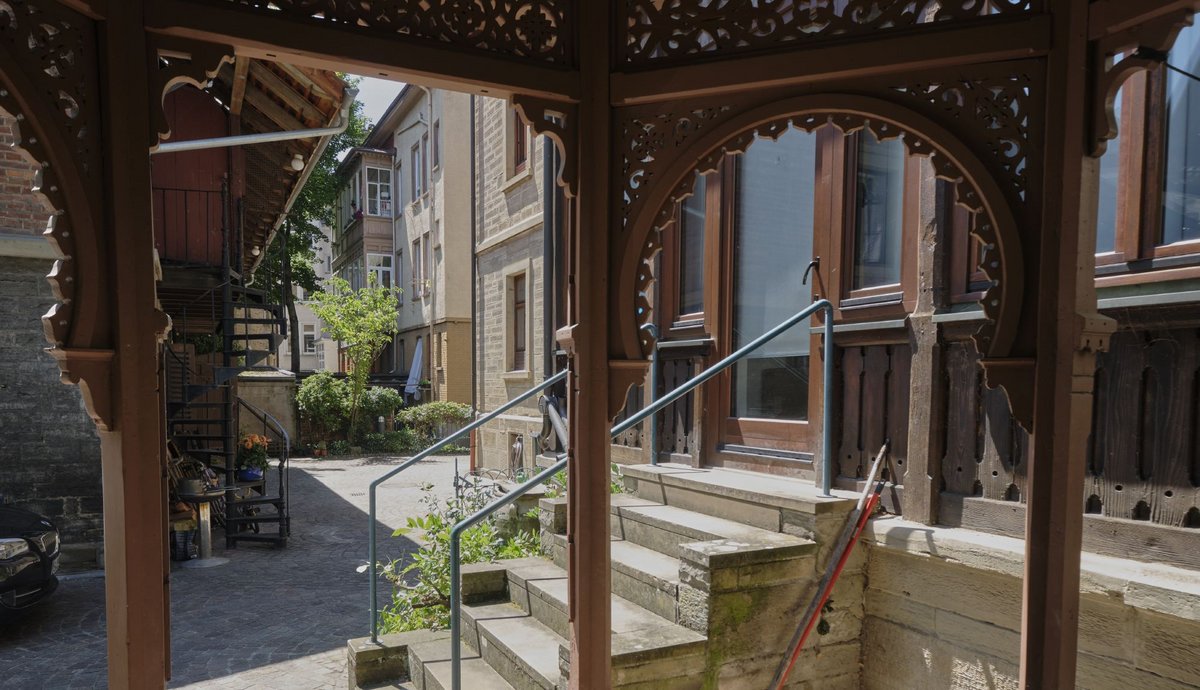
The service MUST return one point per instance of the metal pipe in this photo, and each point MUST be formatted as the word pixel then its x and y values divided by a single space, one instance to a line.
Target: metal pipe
pixel 652 330
pixel 827 407
pixel 263 137
pixel 374 577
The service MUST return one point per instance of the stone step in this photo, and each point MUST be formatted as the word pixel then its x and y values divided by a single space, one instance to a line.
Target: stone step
pixel 429 668
pixel 645 577
pixel 521 649
pixel 770 502
pixel 645 647
pixel 671 530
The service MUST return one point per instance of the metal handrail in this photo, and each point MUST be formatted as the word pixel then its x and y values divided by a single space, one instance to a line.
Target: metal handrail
pixel 655 407
pixel 374 586
pixel 285 456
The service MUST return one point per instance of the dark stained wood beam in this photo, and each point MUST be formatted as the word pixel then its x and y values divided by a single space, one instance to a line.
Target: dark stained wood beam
pixel 931 47
pixel 273 111
pixel 332 47
pixel 1107 17
pixel 276 85
pixel 241 68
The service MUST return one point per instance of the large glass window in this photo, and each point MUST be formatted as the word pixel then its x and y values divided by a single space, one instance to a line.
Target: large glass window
pixel 380 265
pixel 691 249
pixel 379 192
pixel 772 245
pixel 518 323
pixel 310 339
pixel 1181 179
pixel 1106 214
pixel 878 212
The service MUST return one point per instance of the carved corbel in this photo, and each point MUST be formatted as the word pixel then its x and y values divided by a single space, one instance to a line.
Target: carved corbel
pixel 176 61
pixel 92 371
pixel 1120 54
pixel 557 122
pixel 623 374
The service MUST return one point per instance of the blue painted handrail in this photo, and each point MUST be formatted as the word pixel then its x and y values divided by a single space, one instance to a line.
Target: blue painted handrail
pixel 650 410
pixel 418 458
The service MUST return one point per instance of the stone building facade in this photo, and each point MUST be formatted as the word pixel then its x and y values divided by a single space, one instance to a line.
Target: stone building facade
pixel 49 449
pixel 509 287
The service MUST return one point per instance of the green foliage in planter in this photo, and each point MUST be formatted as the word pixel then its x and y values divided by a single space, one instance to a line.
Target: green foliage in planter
pixel 323 401
pixel 421 594
pixel 401 441
pixel 339 448
pixel 427 420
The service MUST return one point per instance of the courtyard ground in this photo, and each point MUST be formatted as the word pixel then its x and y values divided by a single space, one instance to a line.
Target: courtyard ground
pixel 269 619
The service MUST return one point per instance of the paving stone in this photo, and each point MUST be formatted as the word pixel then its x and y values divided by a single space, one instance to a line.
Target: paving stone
pixel 270 618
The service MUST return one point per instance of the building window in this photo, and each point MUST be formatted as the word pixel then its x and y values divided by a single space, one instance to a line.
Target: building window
pixel 772 245
pixel 517 323
pixel 320 359
pixel 399 265
pixel 309 338
pixel 416 179
pixel 520 144
pixel 426 260
pixel 379 192
pixel 1181 176
pixel 437 144
pixel 418 276
pixel 380 266
pixel 425 159
pixel 691 249
pixel 878 212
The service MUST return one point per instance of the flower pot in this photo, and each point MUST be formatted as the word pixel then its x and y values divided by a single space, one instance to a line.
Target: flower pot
pixel 249 474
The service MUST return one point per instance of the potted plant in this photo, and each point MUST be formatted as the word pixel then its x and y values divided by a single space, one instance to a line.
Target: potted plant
pixel 252 458
pixel 320 449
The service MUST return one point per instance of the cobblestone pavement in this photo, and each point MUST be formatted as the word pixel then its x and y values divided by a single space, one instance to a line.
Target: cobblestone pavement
pixel 268 619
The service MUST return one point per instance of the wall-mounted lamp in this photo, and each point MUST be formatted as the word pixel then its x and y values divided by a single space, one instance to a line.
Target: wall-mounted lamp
pixel 255 251
pixel 297 163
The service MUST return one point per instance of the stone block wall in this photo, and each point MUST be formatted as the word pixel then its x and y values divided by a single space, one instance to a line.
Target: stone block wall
pixel 49 448
pixel 943 610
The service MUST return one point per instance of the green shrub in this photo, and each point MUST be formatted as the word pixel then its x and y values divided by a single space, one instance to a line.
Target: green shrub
pixel 379 401
pixel 401 441
pixel 420 594
pixel 324 401
pixel 427 421
pixel 339 448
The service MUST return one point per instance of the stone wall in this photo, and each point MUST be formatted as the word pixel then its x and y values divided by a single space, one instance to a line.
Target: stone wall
pixel 943 610
pixel 49 449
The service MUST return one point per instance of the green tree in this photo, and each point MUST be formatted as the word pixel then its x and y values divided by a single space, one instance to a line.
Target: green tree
pixel 291 255
pixel 363 321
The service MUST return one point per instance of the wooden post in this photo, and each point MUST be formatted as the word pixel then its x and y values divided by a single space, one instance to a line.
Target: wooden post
pixel 1069 332
pixel 927 420
pixel 136 587
pixel 588 509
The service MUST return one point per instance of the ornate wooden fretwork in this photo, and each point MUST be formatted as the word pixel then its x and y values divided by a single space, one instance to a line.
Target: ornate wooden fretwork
pixel 676 30
pixel 537 30
pixel 557 121
pixel 48 87
pixel 176 61
pixel 1118 55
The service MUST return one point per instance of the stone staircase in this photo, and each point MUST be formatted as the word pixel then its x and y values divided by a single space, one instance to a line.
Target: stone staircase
pixel 711 570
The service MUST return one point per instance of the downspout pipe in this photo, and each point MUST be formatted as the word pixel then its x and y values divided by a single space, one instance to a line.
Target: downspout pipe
pixel 263 137
pixel 550 214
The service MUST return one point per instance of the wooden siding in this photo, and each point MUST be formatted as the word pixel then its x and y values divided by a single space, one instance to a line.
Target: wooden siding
pixel 875 408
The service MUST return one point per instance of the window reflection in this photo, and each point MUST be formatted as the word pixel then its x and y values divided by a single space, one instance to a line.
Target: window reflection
pixel 879 212
pixel 1181 198
pixel 1106 214
pixel 773 235
pixel 691 249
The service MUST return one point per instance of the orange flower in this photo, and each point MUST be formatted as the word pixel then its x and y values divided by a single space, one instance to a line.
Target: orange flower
pixel 248 445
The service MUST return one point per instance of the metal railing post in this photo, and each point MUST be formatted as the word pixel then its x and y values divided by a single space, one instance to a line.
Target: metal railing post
pixel 371 548
pixel 634 419
pixel 652 330
pixel 827 407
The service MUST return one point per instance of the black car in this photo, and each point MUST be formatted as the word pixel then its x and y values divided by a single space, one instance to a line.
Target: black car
pixel 28 558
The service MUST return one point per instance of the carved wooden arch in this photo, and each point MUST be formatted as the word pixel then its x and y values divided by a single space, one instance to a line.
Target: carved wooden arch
pixel 952 160
pixel 47 54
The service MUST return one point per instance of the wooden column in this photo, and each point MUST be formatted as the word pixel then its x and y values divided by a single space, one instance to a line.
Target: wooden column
pixel 588 509
pixel 927 419
pixel 1069 332
pixel 133 487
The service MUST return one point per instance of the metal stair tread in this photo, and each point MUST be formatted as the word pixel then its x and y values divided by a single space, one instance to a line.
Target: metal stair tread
pixel 434 658
pixel 698 526
pixel 522 638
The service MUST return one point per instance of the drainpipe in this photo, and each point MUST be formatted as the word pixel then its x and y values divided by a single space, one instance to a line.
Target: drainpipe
pixel 476 373
pixel 263 137
pixel 550 216
pixel 432 277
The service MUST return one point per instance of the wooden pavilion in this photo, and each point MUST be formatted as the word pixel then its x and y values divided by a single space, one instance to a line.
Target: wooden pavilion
pixel 1010 99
